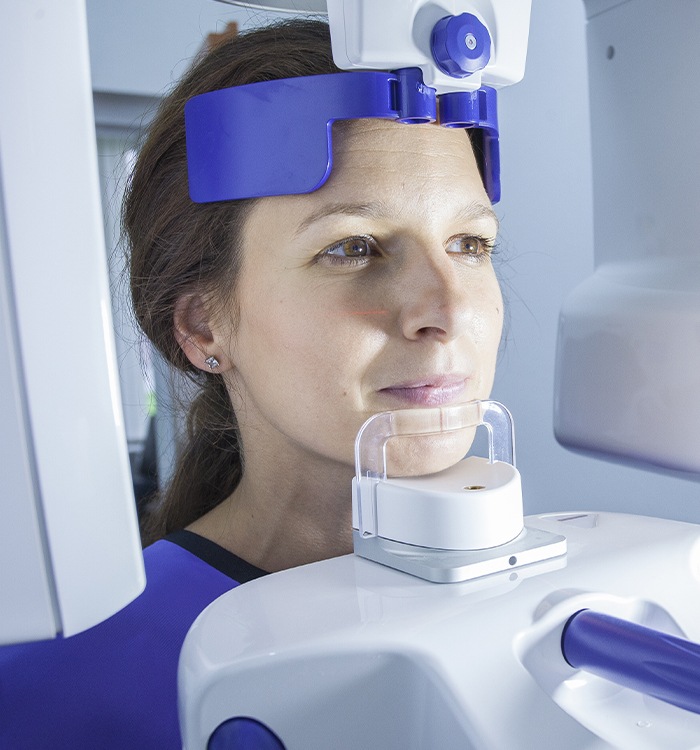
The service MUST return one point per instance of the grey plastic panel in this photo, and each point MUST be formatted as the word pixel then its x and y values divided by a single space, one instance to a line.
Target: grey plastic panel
pixel 25 581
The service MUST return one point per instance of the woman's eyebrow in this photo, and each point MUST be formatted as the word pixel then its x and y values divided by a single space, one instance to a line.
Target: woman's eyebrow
pixel 371 210
pixel 474 211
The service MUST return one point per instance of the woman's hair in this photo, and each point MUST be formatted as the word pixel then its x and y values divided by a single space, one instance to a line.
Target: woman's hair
pixel 177 247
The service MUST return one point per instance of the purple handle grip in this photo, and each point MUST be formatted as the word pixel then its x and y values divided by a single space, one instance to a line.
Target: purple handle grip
pixel 646 660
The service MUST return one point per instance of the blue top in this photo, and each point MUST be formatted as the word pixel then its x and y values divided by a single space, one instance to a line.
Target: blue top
pixel 115 685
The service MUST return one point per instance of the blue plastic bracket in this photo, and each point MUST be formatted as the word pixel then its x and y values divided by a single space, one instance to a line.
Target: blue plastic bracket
pixel 275 137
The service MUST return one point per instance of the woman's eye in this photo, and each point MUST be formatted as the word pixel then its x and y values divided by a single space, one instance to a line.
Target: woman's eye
pixel 350 249
pixel 470 245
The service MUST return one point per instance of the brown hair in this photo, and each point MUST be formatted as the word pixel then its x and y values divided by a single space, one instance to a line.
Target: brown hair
pixel 177 247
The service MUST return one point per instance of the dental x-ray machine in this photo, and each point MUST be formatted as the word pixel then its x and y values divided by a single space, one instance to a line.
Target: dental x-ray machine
pixel 457 623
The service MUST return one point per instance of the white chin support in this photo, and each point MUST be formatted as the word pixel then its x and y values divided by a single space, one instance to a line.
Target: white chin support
pixel 460 523
pixel 471 505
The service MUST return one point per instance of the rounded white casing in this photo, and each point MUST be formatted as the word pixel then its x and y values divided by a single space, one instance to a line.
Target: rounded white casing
pixel 471 505
pixel 628 365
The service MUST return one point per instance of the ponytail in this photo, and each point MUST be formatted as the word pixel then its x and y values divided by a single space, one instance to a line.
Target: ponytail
pixel 208 467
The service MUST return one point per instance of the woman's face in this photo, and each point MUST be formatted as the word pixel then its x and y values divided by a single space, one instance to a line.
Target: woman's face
pixel 375 292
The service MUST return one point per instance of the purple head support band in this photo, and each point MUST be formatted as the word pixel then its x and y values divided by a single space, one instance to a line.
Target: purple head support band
pixel 274 137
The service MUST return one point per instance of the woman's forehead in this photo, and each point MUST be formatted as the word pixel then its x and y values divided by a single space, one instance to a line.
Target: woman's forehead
pixel 402 167
pixel 386 170
pixel 392 142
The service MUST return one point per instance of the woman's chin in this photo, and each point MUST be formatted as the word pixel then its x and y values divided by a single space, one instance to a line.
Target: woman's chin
pixel 427 454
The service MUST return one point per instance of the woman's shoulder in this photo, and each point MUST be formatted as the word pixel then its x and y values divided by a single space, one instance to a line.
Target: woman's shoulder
pixel 114 685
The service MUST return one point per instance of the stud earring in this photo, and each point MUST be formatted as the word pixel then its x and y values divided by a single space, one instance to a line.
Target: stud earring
pixel 213 362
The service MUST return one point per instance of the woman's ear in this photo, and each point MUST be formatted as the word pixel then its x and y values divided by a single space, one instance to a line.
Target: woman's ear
pixel 194 334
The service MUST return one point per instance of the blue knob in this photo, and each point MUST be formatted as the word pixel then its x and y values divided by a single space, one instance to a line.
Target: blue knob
pixel 461 45
pixel 241 733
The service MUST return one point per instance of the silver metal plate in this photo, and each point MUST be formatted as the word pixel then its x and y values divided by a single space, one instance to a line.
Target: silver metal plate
pixel 450 566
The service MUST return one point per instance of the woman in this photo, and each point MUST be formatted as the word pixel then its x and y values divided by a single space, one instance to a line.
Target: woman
pixel 299 317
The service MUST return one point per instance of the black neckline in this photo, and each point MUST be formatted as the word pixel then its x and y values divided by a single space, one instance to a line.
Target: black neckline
pixel 218 557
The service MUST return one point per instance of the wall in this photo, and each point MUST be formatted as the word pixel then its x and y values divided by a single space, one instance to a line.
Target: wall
pixel 140 46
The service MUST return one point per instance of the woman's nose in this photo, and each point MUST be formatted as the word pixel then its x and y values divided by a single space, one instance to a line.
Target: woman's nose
pixel 435 301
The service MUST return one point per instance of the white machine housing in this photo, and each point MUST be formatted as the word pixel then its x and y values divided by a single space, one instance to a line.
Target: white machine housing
pixel 627 383
pixel 70 552
pixel 348 654
pixel 392 34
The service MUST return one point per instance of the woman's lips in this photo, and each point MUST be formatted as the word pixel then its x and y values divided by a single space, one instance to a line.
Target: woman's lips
pixel 435 391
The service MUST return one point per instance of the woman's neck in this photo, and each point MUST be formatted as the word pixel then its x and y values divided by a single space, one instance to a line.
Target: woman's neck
pixel 281 516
